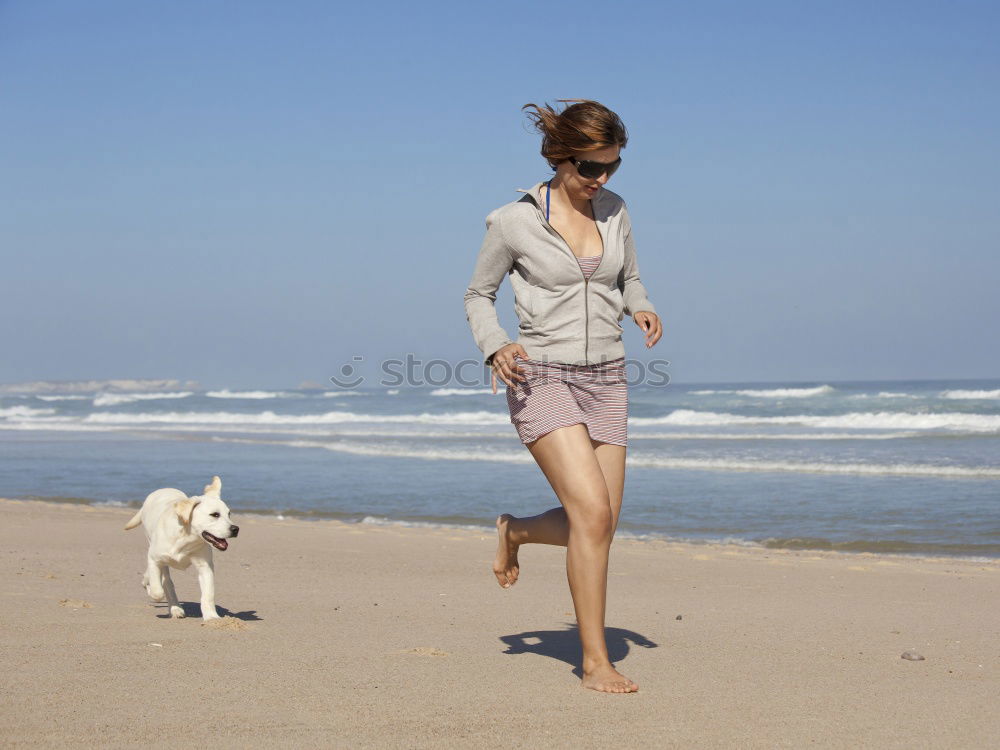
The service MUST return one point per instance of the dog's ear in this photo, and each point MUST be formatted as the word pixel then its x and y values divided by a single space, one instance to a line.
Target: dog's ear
pixel 185 509
pixel 214 488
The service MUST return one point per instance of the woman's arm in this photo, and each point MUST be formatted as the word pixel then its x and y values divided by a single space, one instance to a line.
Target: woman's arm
pixel 633 291
pixel 494 262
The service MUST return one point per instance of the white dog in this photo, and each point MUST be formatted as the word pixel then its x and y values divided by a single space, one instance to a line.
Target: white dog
pixel 180 529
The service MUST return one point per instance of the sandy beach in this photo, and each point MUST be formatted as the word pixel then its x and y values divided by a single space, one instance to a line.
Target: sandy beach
pixel 346 635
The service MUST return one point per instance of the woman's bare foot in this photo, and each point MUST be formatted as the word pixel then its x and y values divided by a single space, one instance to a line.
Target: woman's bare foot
pixel 606 679
pixel 505 566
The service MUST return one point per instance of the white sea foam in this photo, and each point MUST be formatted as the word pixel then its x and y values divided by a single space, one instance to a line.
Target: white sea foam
pixel 820 390
pixel 959 394
pixel 96 386
pixel 116 399
pixel 884 394
pixel 62 424
pixel 634 434
pixel 901 424
pixel 816 467
pixel 70 424
pixel 57 426
pixel 64 398
pixel 898 425
pixel 650 461
pixel 270 417
pixel 620 533
pixel 226 393
pixel 460 391
pixel 22 412
pixel 518 456
pixel 857 420
pixel 399 451
pixel 383 521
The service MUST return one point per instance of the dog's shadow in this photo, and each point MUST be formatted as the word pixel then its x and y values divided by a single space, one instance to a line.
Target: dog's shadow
pixel 564 645
pixel 193 610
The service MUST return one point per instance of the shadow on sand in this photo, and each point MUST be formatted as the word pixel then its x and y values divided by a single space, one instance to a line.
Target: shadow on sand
pixel 564 645
pixel 193 609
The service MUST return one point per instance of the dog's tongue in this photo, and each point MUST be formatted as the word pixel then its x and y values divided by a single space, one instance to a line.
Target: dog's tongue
pixel 219 544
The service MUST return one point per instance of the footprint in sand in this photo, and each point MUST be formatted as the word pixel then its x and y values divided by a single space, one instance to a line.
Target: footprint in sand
pixel 75 603
pixel 225 623
pixel 424 651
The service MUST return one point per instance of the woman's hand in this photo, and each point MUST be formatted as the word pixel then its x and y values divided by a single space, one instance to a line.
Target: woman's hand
pixel 650 323
pixel 505 366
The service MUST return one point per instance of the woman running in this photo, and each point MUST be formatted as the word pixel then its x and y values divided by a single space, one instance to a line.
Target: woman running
pixel 567 246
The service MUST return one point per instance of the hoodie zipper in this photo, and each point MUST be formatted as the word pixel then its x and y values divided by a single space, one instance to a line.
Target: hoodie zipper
pixel 586 281
pixel 586 290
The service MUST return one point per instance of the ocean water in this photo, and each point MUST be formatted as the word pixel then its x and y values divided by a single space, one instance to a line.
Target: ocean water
pixel 890 466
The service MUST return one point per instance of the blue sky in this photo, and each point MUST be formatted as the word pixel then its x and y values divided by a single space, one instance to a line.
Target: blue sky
pixel 252 194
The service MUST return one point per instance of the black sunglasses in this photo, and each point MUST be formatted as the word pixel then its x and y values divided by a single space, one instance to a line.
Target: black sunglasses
pixel 594 169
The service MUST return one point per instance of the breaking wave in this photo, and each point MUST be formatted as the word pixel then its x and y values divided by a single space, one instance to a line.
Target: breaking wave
pixel 959 394
pixel 116 399
pixel 856 420
pixel 820 390
pixel 649 461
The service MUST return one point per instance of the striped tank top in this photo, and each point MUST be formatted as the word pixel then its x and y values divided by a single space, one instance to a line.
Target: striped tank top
pixel 589 265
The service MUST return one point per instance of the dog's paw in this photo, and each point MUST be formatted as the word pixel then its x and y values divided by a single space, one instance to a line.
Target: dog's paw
pixel 155 595
pixel 212 615
pixel 177 612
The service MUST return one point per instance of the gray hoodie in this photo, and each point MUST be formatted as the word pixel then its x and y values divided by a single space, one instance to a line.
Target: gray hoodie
pixel 563 316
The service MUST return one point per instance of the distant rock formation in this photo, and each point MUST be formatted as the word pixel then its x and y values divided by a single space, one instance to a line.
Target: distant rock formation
pixel 98 386
pixel 311 385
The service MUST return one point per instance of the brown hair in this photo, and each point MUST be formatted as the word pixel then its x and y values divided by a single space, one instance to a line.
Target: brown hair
pixel 584 126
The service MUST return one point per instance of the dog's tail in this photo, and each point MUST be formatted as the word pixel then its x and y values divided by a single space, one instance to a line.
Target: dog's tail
pixel 136 520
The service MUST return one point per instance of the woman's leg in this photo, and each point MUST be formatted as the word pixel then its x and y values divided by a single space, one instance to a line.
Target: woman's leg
pixel 552 527
pixel 569 461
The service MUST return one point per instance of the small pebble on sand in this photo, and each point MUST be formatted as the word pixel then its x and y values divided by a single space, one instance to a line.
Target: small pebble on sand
pixel 911 655
pixel 75 603
pixel 424 651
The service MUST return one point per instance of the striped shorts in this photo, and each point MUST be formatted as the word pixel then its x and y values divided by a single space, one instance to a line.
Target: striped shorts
pixel 557 395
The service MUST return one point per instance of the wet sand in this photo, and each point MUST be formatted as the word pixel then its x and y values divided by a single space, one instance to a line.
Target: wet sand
pixel 341 635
